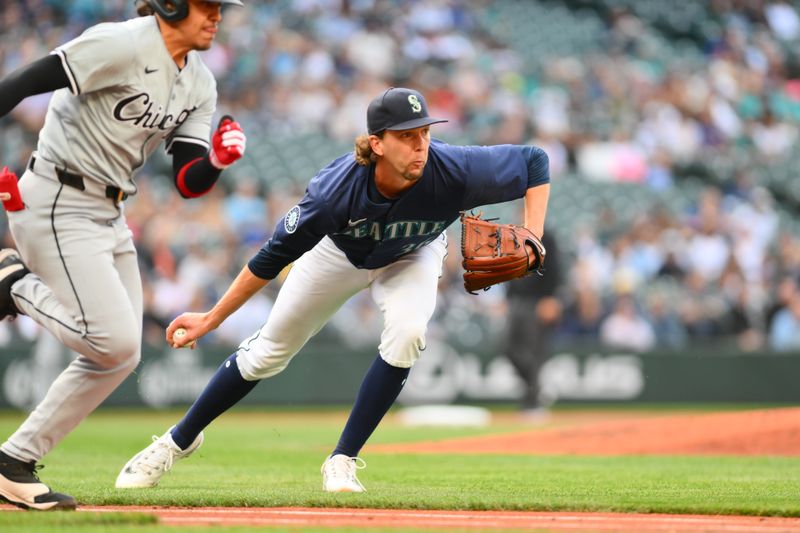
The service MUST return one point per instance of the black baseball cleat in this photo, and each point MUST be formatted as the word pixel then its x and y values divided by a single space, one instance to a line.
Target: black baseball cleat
pixel 11 269
pixel 20 486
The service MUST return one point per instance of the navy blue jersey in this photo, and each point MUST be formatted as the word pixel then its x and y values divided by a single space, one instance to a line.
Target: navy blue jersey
pixel 372 233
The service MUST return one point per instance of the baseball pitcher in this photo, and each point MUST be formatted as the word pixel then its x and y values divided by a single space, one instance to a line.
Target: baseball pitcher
pixel 375 220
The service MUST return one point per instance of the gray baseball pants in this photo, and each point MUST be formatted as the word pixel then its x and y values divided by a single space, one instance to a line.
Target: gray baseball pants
pixel 85 289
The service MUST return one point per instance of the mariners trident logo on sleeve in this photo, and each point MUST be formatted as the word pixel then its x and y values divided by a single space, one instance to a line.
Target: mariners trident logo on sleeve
pixel 291 219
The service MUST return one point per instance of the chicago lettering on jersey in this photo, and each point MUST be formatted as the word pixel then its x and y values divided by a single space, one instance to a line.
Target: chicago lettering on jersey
pixel 130 110
pixel 401 229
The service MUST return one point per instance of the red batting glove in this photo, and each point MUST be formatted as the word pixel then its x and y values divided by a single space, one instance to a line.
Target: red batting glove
pixel 227 143
pixel 9 191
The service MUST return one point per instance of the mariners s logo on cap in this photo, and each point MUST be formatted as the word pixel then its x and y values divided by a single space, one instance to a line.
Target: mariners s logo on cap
pixel 291 219
pixel 398 109
pixel 415 104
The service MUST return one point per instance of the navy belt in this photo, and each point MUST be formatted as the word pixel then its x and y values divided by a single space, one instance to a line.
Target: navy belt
pixel 76 182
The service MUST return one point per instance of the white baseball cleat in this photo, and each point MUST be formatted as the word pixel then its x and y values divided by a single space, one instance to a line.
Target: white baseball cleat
pixel 147 467
pixel 339 474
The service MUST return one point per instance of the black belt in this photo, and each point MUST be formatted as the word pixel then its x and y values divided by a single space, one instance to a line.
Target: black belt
pixel 76 182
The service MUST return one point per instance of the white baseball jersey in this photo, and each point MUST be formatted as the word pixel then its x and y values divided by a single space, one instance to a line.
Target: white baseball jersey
pixel 126 96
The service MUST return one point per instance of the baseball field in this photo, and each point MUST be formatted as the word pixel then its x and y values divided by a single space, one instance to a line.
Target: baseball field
pixel 598 469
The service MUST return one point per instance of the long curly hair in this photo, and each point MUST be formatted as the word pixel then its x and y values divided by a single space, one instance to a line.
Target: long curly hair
pixel 363 150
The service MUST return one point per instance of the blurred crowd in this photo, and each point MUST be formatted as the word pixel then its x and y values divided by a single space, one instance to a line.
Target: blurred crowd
pixel 637 105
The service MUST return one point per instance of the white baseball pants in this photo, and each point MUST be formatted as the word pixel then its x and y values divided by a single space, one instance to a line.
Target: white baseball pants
pixel 322 280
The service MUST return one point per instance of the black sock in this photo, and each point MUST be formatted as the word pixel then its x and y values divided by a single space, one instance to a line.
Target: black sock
pixel 226 387
pixel 378 392
pixel 7 459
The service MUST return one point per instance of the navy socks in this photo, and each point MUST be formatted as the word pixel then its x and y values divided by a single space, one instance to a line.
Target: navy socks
pixel 226 387
pixel 378 391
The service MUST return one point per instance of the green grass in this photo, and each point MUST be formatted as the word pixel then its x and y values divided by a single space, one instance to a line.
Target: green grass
pixel 254 458
pixel 21 522
pixel 96 522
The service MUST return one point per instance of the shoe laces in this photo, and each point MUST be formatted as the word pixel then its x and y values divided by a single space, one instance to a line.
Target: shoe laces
pixel 343 466
pixel 157 456
pixel 34 469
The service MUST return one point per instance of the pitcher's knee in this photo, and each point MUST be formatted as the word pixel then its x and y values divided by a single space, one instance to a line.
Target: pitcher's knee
pixel 401 344
pixel 254 367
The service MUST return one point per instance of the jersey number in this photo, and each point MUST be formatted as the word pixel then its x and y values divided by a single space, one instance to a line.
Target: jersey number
pixel 410 247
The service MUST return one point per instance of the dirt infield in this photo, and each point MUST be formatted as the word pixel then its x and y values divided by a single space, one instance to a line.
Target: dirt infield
pixel 758 432
pixel 386 519
pixel 483 520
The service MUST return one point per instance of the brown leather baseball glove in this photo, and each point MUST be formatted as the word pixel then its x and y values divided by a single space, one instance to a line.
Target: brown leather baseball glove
pixel 494 253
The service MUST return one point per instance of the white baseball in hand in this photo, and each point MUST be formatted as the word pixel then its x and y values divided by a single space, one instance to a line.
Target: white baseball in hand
pixel 179 337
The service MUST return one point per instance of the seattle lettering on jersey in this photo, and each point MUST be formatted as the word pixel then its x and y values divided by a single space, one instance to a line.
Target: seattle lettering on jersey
pixel 401 229
pixel 129 110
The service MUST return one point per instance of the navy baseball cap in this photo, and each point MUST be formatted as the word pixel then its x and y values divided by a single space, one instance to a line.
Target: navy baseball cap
pixel 398 109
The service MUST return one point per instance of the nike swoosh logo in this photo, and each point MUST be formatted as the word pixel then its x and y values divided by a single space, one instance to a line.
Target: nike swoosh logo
pixel 352 223
pixel 129 467
pixel 148 70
